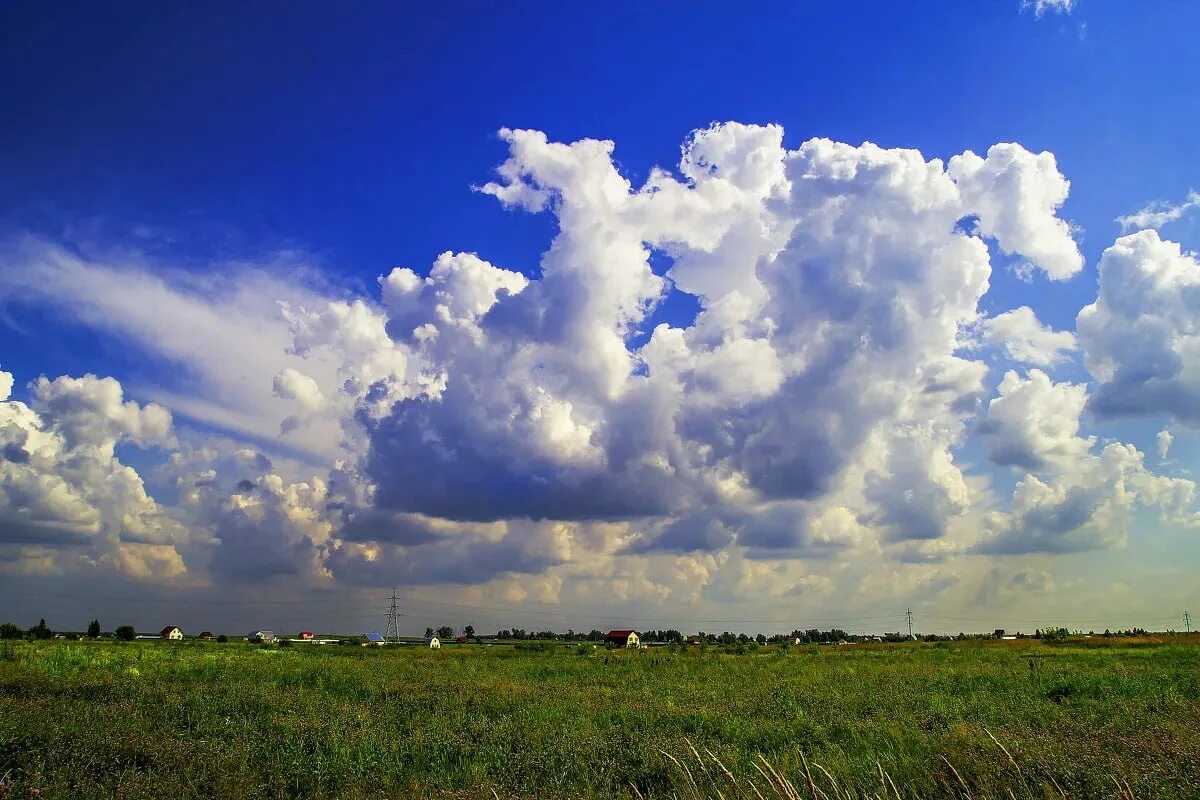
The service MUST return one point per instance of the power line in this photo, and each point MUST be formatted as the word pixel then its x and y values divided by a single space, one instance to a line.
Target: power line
pixel 392 634
pixel 908 615
pixel 1187 621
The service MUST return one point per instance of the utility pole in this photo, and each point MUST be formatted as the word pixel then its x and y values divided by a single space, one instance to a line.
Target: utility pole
pixel 1187 621
pixel 909 616
pixel 392 634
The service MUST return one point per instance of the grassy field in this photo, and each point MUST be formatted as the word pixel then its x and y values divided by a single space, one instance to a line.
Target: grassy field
pixel 205 720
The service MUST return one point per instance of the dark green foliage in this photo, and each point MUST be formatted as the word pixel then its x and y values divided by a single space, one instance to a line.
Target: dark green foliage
pixel 10 631
pixel 40 631
pixel 93 630
pixel 222 639
pixel 125 633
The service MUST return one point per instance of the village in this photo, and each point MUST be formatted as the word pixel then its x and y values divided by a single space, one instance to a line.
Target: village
pixel 615 639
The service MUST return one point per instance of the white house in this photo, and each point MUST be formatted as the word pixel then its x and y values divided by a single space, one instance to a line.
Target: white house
pixel 172 632
pixel 433 644
pixel 622 638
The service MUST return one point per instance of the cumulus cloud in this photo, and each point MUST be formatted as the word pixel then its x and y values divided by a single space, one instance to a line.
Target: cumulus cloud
pixel 1157 214
pixel 62 484
pixel 488 425
pixel 1034 422
pixel 1025 339
pixel 1141 338
pixel 1015 194
pixel 1163 441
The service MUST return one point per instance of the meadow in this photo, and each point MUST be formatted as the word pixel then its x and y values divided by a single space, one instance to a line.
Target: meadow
pixel 1025 719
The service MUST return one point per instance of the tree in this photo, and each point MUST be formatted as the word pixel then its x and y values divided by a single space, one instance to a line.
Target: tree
pixel 125 633
pixel 40 631
pixel 469 630
pixel 222 639
pixel 94 629
pixel 445 632
pixel 429 633
pixel 10 631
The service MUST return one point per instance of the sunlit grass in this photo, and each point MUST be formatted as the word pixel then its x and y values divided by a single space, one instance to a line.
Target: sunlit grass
pixel 981 720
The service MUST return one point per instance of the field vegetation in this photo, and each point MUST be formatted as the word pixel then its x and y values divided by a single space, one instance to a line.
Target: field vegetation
pixel 1025 719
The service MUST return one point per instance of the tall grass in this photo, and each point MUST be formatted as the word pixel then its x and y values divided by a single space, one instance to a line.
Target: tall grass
pixel 195 720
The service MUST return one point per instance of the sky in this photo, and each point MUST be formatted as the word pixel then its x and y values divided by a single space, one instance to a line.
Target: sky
pixel 559 318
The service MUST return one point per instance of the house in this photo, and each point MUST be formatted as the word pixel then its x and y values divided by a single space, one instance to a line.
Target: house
pixel 373 640
pixel 205 635
pixel 462 640
pixel 306 636
pixel 171 632
pixel 694 639
pixel 261 637
pixel 433 643
pixel 622 639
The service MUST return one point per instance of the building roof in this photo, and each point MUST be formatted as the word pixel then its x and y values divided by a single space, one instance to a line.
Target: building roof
pixel 306 633
pixel 621 634
pixel 168 629
pixel 206 634
pixel 373 637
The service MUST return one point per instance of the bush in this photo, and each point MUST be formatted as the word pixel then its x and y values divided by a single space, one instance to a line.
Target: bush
pixel 10 631
pixel 125 633
pixel 222 639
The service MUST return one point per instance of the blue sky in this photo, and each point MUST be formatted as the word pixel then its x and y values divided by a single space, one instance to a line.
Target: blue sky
pixel 244 159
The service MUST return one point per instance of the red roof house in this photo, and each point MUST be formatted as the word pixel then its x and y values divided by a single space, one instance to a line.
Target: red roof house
pixel 306 635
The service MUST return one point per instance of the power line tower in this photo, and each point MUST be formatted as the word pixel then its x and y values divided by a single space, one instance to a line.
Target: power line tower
pixel 392 634
pixel 908 615
pixel 1187 621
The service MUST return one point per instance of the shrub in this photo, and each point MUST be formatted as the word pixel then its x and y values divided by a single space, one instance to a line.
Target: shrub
pixel 125 633
pixel 10 631
pixel 222 639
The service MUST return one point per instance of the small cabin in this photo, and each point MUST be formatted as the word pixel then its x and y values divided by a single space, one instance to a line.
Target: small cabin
pixel 433 643
pixel 172 633
pixel 205 635
pixel 622 639
pixel 261 637
pixel 373 640
pixel 306 636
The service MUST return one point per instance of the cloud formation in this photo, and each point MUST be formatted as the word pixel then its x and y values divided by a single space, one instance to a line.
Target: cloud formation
pixel 1157 214
pixel 532 427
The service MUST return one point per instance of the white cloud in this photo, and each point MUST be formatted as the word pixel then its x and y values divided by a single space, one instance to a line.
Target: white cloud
pixel 1163 440
pixel 63 487
pixel 1025 339
pixel 223 327
pixel 1040 7
pixel 1015 195
pixel 1157 214
pixel 1034 422
pixel 1140 338
pixel 491 425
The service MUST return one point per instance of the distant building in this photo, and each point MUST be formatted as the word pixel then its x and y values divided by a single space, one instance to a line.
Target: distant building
pixel 306 635
pixel 462 640
pixel 433 643
pixel 205 635
pixel 694 639
pixel 261 637
pixel 171 632
pixel 622 638
pixel 373 640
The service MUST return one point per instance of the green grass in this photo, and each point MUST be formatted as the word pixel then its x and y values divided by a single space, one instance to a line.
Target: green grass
pixel 206 720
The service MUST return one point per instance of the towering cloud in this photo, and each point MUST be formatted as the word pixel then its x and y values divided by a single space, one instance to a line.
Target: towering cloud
pixel 478 421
